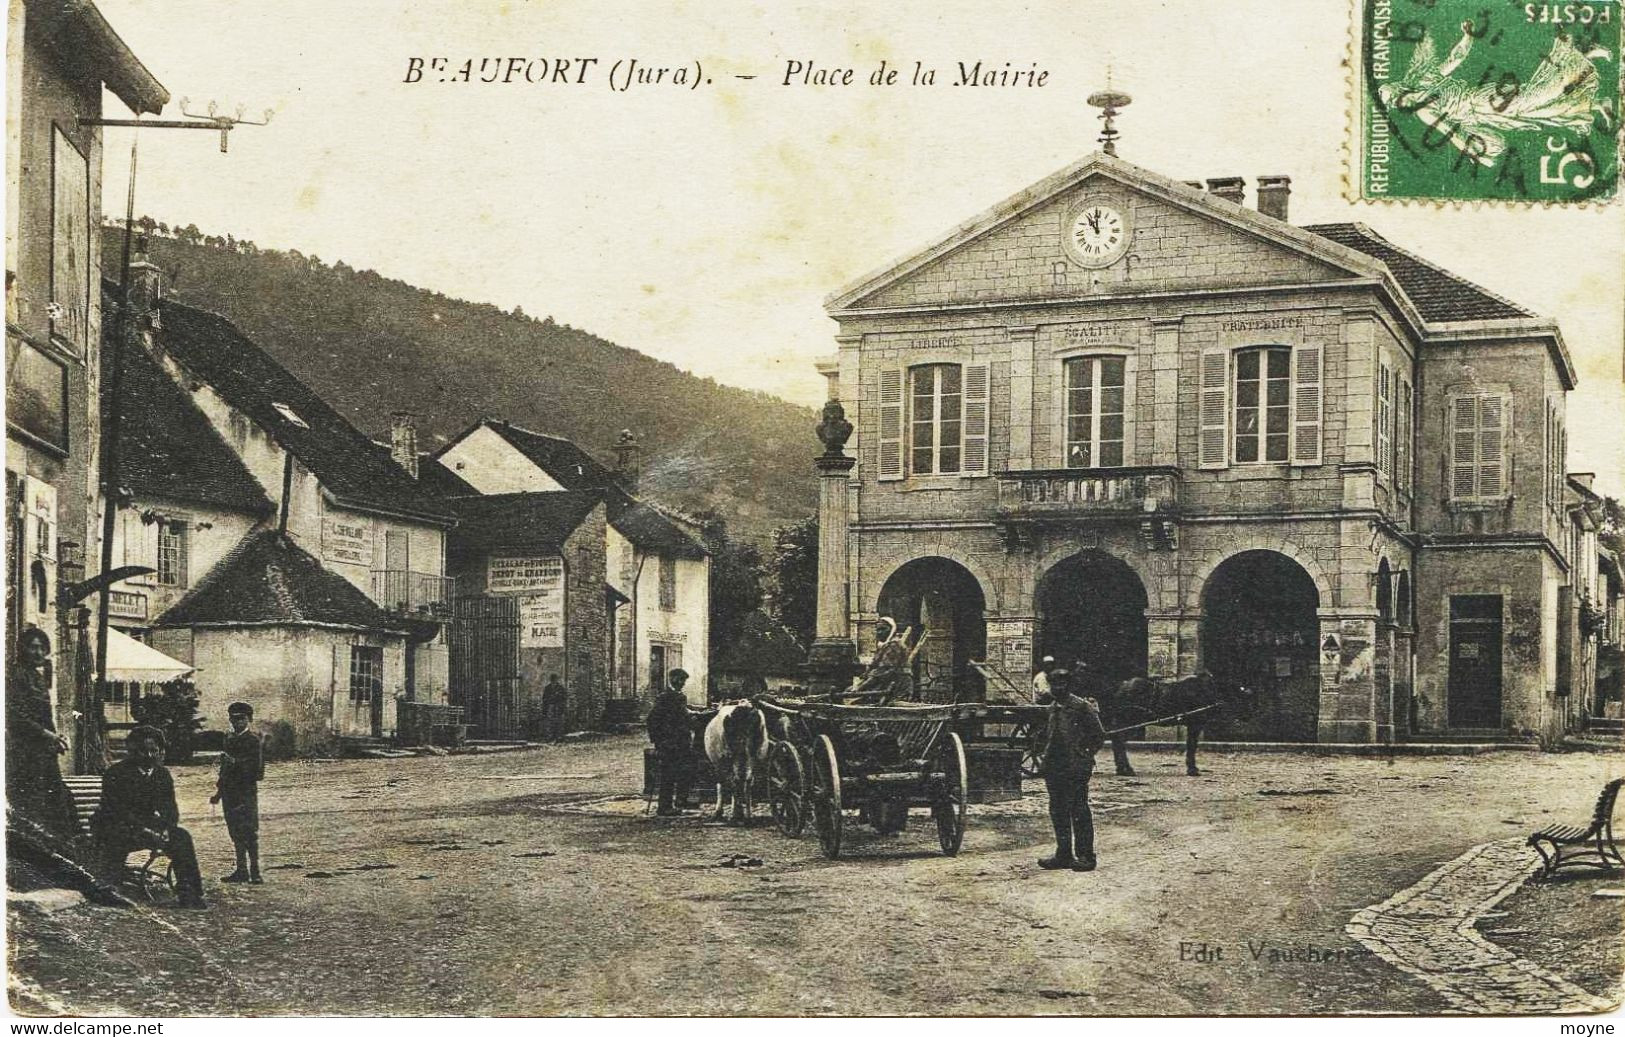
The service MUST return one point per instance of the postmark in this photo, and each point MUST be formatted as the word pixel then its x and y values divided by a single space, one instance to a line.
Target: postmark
pixel 1487 100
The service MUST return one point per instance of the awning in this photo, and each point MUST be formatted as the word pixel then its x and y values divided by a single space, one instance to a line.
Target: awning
pixel 130 660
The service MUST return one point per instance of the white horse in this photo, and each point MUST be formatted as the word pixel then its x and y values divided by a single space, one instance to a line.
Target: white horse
pixel 735 741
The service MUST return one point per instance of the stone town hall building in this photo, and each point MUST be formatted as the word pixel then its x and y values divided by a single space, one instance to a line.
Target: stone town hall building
pixel 1121 417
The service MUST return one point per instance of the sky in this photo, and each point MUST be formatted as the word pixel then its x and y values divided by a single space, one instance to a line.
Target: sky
pixel 705 226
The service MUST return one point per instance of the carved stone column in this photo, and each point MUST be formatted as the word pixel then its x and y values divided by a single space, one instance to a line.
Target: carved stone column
pixel 833 658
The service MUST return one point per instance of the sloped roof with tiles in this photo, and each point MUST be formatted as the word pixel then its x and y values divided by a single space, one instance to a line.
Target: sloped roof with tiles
pixel 268 580
pixel 1439 295
pixel 348 464
pixel 542 520
pixel 166 446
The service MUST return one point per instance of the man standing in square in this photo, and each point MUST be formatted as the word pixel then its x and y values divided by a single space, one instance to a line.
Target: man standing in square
pixel 673 740
pixel 1075 735
pixel 242 768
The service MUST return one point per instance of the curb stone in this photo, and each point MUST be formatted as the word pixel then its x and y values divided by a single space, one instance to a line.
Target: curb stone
pixel 1429 931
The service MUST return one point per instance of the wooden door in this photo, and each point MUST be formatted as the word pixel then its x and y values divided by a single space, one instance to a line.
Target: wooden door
pixel 1475 660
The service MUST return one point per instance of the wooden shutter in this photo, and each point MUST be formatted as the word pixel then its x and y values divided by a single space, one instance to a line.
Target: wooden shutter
pixel 889 463
pixel 1213 445
pixel 1491 446
pixel 1464 446
pixel 974 427
pixel 1306 405
pixel 1385 421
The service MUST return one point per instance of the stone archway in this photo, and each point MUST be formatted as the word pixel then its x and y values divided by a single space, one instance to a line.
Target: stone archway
pixel 1091 606
pixel 939 599
pixel 1260 628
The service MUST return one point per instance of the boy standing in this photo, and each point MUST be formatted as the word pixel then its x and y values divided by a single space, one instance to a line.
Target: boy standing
pixel 242 767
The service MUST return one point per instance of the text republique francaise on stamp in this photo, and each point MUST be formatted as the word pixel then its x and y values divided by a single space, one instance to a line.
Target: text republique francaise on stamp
pixel 1488 100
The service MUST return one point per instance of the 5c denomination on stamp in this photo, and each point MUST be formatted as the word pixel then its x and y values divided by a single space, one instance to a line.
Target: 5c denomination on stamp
pixel 1488 100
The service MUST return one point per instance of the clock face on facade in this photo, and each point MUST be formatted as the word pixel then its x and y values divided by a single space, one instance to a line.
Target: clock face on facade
pixel 1098 234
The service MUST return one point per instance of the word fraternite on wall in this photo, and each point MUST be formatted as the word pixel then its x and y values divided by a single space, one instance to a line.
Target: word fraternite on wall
pixel 622 74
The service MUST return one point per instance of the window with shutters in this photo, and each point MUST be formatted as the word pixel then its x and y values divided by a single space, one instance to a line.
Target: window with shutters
pixel 1095 411
pixel 934 421
pixel 1478 425
pixel 1263 404
pixel 172 552
pixel 1406 435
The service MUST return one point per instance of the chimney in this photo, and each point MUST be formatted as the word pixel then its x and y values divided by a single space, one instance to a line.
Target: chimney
pixel 627 461
pixel 1273 192
pixel 403 441
pixel 146 286
pixel 1229 188
pixel 1583 478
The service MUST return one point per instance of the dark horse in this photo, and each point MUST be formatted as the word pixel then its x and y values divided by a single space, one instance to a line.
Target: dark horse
pixel 1191 700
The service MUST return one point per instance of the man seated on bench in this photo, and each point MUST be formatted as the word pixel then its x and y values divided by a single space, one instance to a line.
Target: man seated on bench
pixel 138 812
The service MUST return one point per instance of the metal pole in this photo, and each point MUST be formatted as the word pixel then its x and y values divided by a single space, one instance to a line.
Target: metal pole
pixel 110 470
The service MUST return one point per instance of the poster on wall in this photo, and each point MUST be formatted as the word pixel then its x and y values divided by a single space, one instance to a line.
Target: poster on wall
pixel 39 547
pixel 525 575
pixel 70 244
pixel 541 621
pixel 346 540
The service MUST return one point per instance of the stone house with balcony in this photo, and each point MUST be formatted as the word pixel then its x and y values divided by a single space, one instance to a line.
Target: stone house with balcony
pixel 297 566
pixel 1130 419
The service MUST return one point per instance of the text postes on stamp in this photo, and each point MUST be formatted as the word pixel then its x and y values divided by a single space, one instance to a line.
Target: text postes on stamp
pixel 1472 100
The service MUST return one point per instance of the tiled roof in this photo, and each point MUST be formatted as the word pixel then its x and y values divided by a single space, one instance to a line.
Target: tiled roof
pixel 1439 295
pixel 347 463
pixel 268 580
pixel 575 469
pixel 542 520
pixel 439 481
pixel 166 446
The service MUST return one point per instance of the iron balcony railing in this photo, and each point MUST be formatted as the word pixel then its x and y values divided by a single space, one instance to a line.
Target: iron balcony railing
pixel 1083 492
pixel 408 593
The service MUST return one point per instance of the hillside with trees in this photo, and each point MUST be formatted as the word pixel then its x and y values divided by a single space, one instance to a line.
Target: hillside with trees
pixel 372 345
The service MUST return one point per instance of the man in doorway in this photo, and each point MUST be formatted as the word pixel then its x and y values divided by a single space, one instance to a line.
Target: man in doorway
pixel 554 698
pixel 1075 735
pixel 138 811
pixel 673 740
pixel 242 768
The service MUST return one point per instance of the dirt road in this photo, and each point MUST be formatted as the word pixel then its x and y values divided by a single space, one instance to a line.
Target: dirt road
pixel 510 885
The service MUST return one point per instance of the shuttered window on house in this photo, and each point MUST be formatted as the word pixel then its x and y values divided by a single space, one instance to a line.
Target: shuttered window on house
pixel 1212 446
pixel 978 403
pixel 172 534
pixel 1307 404
pixel 1478 446
pixel 942 418
pixel 1405 416
pixel 668 582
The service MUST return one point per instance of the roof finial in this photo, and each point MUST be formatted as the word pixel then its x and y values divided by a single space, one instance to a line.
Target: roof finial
pixel 1110 102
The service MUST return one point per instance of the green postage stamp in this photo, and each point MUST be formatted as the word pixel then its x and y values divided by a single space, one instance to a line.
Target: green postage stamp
pixel 1476 100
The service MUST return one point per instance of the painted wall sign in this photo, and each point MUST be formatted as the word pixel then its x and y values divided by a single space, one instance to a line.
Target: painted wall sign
pixel 70 244
pixel 347 540
pixel 531 575
pixel 541 620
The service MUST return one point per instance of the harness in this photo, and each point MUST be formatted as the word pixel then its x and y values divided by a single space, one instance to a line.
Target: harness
pixel 1163 720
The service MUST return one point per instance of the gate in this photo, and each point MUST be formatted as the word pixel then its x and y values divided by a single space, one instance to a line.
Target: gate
pixel 484 665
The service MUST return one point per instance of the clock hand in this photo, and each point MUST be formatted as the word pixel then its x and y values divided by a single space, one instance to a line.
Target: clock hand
pixel 1094 220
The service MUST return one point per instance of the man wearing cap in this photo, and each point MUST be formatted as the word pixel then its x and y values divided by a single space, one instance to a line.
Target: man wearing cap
pixel 673 739
pixel 138 811
pixel 237 790
pixel 1075 735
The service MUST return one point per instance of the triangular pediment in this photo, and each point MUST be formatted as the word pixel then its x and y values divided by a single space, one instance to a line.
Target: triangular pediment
pixel 1179 238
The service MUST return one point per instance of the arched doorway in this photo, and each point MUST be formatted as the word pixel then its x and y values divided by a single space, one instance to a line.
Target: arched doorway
pixel 1259 628
pixel 941 598
pixel 1091 606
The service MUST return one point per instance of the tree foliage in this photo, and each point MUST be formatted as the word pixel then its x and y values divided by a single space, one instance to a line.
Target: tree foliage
pixel 794 577
pixel 736 580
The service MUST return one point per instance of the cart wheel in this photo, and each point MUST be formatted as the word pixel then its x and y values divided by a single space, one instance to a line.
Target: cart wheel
pixel 1032 752
pixel 787 789
pixel 826 796
pixel 952 792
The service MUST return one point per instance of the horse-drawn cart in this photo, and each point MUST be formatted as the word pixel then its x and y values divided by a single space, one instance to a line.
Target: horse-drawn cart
pixel 1013 726
pixel 828 758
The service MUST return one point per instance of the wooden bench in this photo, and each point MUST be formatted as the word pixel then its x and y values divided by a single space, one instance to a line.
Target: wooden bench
pixel 148 871
pixel 1592 846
